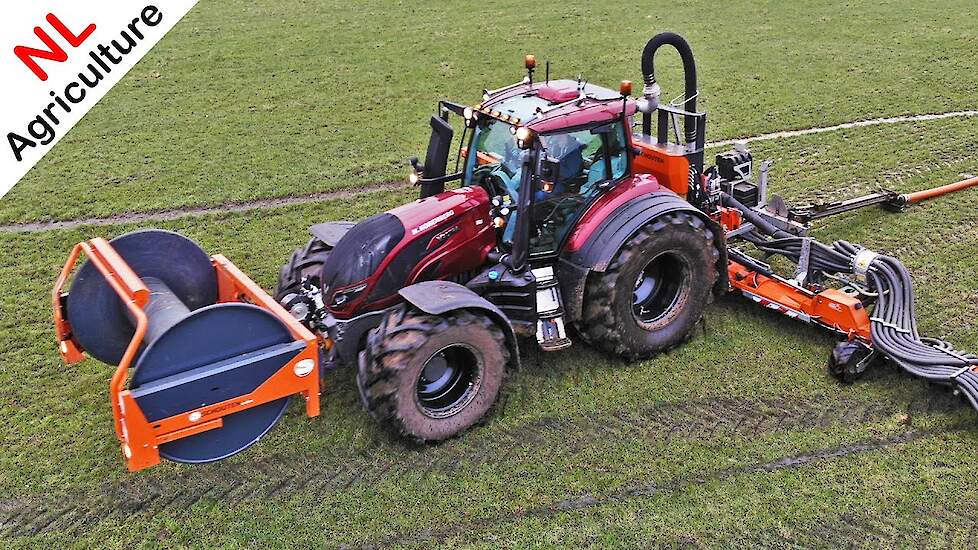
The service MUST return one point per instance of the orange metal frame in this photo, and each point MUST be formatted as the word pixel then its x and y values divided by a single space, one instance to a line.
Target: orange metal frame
pixel 830 308
pixel 139 438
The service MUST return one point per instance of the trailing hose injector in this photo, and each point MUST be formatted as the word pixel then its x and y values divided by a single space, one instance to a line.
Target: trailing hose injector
pixel 891 328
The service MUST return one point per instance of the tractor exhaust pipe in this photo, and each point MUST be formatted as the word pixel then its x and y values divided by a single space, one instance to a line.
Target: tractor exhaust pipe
pixel 652 89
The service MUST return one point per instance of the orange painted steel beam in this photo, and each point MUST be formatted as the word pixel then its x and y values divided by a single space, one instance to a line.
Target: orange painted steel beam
pixel 830 308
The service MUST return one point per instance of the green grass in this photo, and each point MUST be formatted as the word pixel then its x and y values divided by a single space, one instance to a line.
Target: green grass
pixel 244 100
pixel 738 438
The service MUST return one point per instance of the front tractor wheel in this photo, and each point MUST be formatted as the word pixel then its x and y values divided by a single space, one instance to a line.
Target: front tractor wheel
pixel 306 262
pixel 431 377
pixel 655 289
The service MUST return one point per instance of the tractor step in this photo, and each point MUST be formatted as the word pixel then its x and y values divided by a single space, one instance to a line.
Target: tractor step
pixel 551 334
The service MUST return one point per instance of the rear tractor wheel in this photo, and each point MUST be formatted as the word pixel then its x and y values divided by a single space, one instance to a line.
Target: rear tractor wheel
pixel 431 377
pixel 655 289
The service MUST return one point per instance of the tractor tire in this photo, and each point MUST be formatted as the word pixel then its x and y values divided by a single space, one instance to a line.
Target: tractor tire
pixel 654 291
pixel 307 261
pixel 431 377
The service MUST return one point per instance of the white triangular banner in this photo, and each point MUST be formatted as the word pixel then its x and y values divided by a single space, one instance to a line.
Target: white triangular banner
pixel 58 59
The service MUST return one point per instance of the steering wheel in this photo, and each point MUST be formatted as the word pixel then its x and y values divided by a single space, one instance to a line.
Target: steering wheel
pixel 488 174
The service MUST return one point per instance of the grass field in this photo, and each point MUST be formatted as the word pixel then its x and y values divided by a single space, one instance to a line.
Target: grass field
pixel 739 438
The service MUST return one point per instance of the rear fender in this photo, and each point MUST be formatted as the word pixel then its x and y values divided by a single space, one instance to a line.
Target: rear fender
pixel 622 224
pixel 440 297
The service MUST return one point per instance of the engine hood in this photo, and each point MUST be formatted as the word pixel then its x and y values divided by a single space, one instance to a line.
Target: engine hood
pixel 422 215
pixel 430 238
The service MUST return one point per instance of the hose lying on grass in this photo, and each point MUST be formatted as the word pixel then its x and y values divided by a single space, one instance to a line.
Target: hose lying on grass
pixel 893 324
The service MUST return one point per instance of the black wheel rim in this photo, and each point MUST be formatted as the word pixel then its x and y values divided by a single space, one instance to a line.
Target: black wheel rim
pixel 659 287
pixel 449 381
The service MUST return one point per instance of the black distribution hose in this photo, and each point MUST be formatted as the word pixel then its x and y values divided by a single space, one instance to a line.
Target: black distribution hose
pixel 689 72
pixel 822 258
pixel 893 325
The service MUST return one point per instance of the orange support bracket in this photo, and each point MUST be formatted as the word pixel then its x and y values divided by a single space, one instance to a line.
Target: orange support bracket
pixel 234 286
pixel 130 289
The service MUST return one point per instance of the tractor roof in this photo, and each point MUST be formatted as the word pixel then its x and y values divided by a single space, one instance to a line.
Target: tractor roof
pixel 558 104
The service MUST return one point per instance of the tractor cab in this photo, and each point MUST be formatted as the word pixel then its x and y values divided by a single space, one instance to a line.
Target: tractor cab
pixel 568 139
pixel 544 153
pixel 576 131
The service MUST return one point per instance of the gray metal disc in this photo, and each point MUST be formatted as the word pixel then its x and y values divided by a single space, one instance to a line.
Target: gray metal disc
pixel 98 318
pixel 208 336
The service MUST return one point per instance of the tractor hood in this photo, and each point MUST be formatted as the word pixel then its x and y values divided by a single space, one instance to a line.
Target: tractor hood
pixel 426 239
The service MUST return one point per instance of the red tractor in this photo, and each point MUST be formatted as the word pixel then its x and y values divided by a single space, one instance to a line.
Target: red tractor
pixel 563 217
pixel 567 223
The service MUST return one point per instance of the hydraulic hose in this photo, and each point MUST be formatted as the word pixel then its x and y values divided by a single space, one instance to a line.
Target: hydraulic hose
pixel 893 325
pixel 689 72
pixel 753 217
pixel 821 257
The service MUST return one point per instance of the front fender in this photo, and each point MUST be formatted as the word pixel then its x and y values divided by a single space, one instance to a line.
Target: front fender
pixel 440 297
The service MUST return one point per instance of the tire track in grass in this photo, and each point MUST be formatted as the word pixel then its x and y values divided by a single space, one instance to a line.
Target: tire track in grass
pixel 932 526
pixel 262 204
pixel 281 475
pixel 844 126
pixel 191 211
pixel 650 488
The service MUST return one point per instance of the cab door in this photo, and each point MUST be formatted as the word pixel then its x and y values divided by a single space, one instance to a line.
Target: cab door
pixel 588 161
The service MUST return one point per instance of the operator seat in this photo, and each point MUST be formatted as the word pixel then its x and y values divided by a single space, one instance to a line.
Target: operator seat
pixel 569 153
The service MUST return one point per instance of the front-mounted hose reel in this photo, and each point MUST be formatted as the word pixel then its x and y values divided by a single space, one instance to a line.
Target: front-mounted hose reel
pixel 213 358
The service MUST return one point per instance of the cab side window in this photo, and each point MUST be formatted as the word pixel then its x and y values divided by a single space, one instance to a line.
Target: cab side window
pixel 614 157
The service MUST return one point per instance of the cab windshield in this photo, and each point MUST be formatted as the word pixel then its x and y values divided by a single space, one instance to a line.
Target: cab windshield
pixel 588 159
pixel 496 161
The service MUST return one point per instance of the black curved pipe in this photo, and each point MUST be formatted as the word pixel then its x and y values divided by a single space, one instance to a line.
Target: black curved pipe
pixel 759 222
pixel 689 71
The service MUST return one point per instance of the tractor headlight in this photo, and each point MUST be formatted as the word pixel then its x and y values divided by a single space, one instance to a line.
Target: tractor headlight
pixel 467 113
pixel 413 177
pixel 524 137
pixel 347 295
